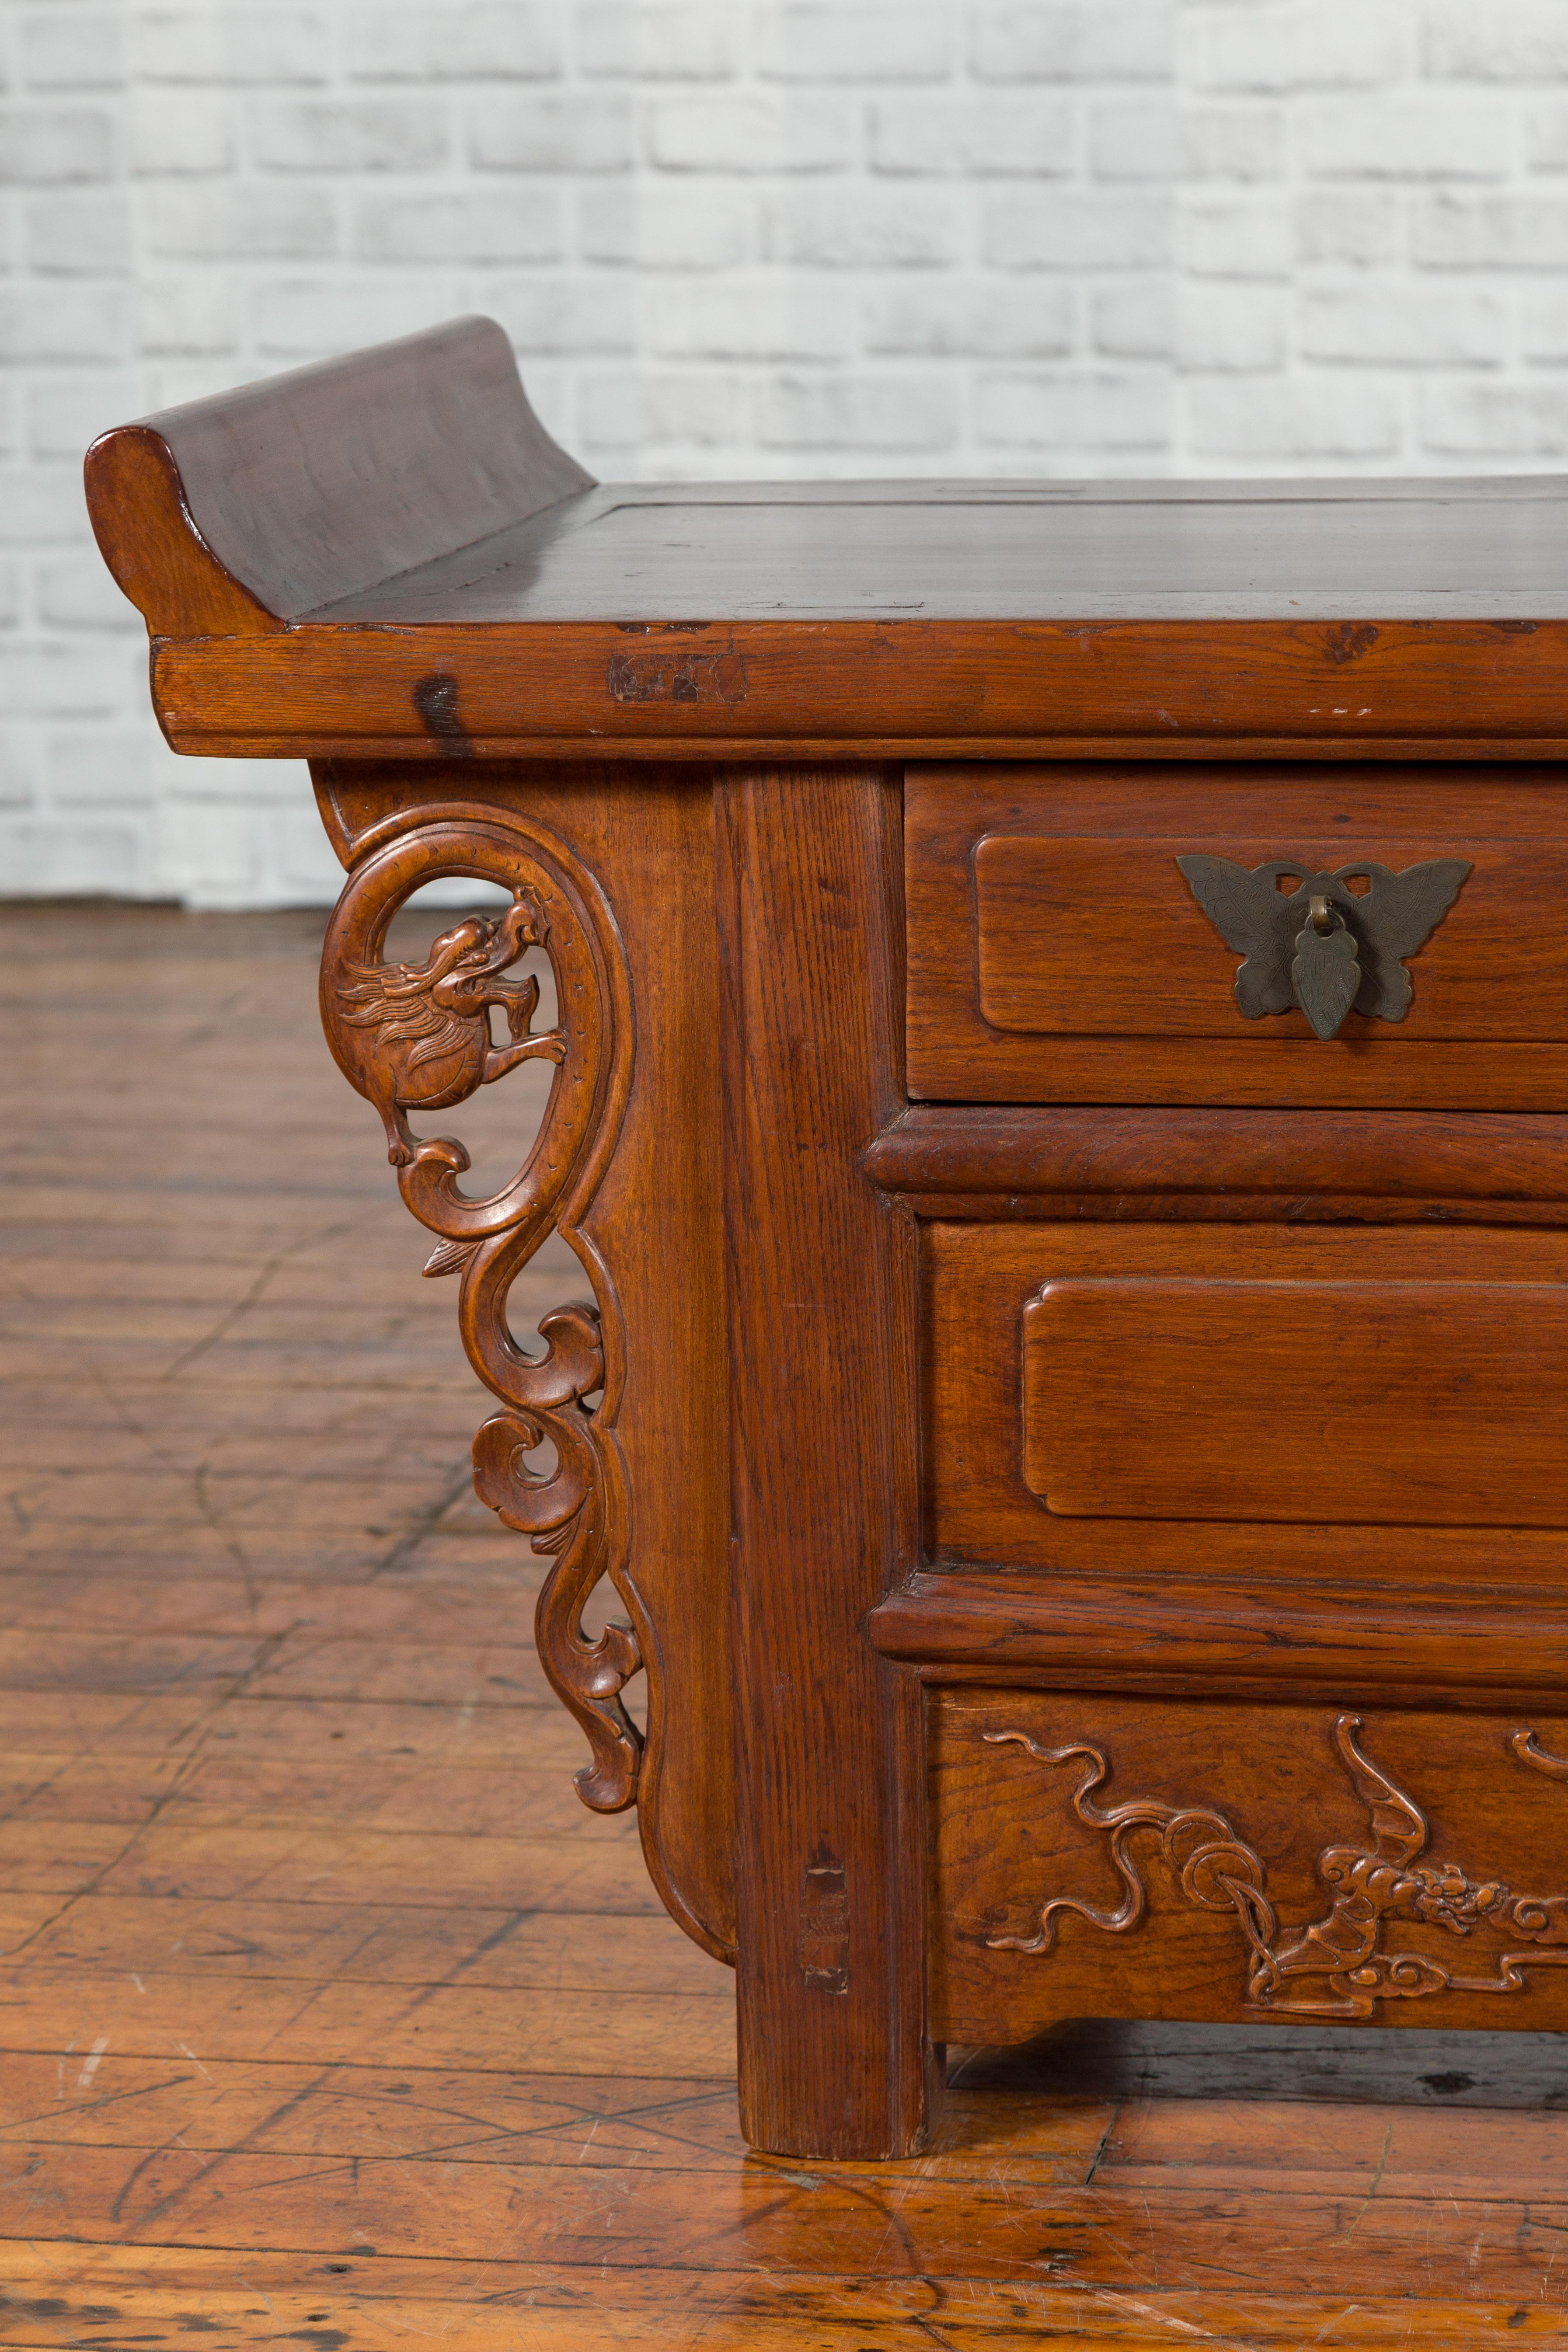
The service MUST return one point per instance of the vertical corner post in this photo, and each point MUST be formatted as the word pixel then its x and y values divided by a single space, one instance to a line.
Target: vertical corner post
pixel 834 2057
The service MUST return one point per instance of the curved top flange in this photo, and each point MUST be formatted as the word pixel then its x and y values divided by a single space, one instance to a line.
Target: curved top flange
pixel 234 515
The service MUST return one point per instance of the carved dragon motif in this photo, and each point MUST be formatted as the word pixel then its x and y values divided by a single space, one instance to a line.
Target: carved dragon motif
pixel 429 1041
pixel 1368 1885
pixel 416 1037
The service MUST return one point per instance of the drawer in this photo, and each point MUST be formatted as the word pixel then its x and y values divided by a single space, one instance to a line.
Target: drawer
pixel 1252 1401
pixel 1144 934
pixel 1101 1856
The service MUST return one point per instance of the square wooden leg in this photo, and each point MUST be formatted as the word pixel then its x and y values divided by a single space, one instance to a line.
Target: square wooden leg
pixel 835 2055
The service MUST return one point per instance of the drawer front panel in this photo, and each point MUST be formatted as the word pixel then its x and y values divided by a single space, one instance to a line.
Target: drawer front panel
pixel 1106 939
pixel 1097 1856
pixel 1439 1402
pixel 1388 1402
pixel 1058 952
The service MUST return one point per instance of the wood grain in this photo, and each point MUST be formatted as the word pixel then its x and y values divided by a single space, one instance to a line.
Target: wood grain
pixel 261 1600
pixel 385 565
pixel 1042 1908
pixel 623 2223
pixel 980 1509
pixel 1239 1626
pixel 649 843
pixel 835 2060
pixel 1105 937
pixel 821 689
pixel 1057 954
pixel 1435 1403
pixel 58 2293
pixel 1004 1161
pixel 1009 551
pixel 464 587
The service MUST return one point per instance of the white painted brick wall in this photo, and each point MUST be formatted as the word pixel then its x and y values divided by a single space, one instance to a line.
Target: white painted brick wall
pixel 1395 254
pixel 769 237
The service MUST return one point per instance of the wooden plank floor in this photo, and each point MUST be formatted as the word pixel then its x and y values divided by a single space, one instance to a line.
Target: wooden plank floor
pixel 329 2016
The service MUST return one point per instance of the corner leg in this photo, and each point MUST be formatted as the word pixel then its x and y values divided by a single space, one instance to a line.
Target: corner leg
pixel 836 2058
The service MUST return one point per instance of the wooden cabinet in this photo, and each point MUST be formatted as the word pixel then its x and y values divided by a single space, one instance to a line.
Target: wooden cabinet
pixel 1059 1095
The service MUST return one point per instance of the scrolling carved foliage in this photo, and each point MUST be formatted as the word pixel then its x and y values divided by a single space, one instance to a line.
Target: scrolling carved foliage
pixel 1382 1880
pixel 416 1037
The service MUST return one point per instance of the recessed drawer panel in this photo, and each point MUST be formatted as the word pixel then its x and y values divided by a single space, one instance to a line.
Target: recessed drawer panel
pixel 1108 939
pixel 1181 934
pixel 1433 1403
pixel 1256 1401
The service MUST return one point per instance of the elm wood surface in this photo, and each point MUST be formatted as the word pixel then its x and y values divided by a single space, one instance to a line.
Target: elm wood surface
pixel 1097 939
pixel 1003 551
pixel 1057 952
pixel 649 844
pixel 385 553
pixel 948 1160
pixel 1226 1864
pixel 978 1281
pixel 242 511
pixel 736 691
pixel 1380 1401
pixel 1249 1633
pixel 310 1947
pixel 828 1916
pixel 830 1950
pixel 742 691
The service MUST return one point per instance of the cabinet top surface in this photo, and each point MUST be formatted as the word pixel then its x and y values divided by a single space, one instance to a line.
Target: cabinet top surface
pixel 387 553
pixel 1001 552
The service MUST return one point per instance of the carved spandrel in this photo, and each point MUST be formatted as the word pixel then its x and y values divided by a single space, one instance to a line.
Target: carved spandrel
pixel 1337 1965
pixel 413 1038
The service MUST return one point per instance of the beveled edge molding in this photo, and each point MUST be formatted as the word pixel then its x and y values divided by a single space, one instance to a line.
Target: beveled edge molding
pixel 870 691
pixel 946 1160
pixel 413 1037
pixel 1204 1639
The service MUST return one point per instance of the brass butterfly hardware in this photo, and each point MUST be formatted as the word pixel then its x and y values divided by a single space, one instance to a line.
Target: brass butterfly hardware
pixel 1323 947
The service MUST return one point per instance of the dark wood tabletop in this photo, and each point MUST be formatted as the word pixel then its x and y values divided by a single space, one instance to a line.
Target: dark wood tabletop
pixel 1046 551
pixel 388 554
